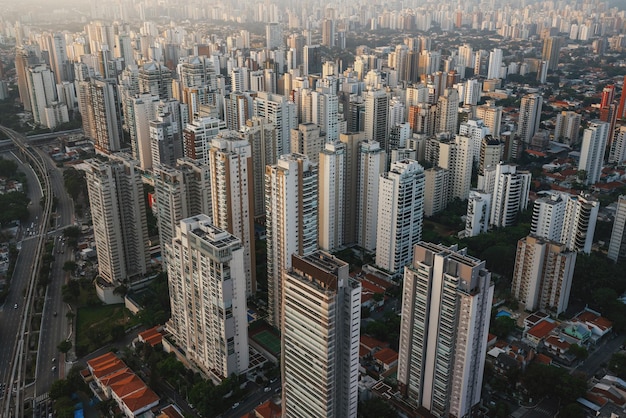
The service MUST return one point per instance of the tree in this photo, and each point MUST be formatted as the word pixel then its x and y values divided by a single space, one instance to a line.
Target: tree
pixel 69 266
pixel 572 410
pixel 581 353
pixel 375 408
pixel 59 389
pixel 64 346
pixel 617 364
pixel 502 326
pixel 118 332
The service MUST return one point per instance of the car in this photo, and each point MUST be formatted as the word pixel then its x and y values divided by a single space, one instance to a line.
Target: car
pixel 54 369
pixel 235 405
pixel 15 306
pixel 54 359
pixel 267 389
pixel 54 314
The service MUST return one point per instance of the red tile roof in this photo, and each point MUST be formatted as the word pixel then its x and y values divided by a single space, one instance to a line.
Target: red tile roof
pixel 140 399
pixel 554 341
pixel 543 359
pixel 170 412
pixel 151 336
pixel 386 356
pixel 268 410
pixel 372 343
pixel 542 329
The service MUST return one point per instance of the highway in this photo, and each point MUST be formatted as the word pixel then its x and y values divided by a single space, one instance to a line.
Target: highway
pixel 10 317
pixel 54 328
pixel 19 342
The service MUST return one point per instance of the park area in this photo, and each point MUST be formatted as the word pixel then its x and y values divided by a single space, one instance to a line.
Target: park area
pixel 99 325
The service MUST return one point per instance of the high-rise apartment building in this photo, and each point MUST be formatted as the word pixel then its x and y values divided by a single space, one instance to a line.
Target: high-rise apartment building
pixel 328 33
pixel 400 214
pixel 232 187
pixel 529 116
pixel 155 79
pixel 617 154
pixel 276 109
pixel 320 338
pixel 371 164
pixel 510 195
pixel 143 110
pixel 567 127
pixel 273 35
pixel 436 194
pixel 100 108
pixel 308 140
pixel 543 273
pixel 180 191
pixel 446 308
pixel 207 284
pixel 595 138
pixel 456 156
pixel 491 115
pixel 291 211
pixel 332 192
pixel 25 56
pixel 119 218
pixel 476 131
pixel 352 141
pixel 550 51
pixel 197 137
pixel 448 111
pixel 42 92
pixel 491 150
pixel 376 113
pixel 262 138
pixel 478 213
pixel 495 62
pixel 617 246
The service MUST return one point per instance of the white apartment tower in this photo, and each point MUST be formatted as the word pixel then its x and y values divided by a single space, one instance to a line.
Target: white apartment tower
pixel 543 273
pixel 456 156
pixel 529 116
pixel 548 217
pixel 446 307
pixel 617 246
pixel 276 109
pixel 320 338
pixel 197 137
pixel 448 111
pixel 491 115
pixel 478 213
pixel 372 161
pixel 144 109
pixel 232 186
pixel 579 224
pixel 595 138
pixel 332 192
pixel 567 127
pixel 495 62
pixel 119 218
pixel 291 210
pixel 476 131
pixel 400 214
pixel 207 284
pixel 510 195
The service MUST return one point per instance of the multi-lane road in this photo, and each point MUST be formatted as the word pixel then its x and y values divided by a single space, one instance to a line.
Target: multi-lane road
pixel 14 313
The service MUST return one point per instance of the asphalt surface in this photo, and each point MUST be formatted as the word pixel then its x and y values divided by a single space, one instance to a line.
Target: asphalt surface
pixel 54 324
pixel 253 400
pixel 10 317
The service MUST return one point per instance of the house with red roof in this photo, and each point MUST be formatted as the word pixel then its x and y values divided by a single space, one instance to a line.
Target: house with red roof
pixel 598 325
pixel 114 380
pixel 386 359
pixel 151 336
pixel 556 345
pixel 539 332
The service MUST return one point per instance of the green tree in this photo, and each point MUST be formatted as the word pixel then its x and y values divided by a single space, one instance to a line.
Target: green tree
pixel 375 408
pixel 8 168
pixel 572 410
pixel 502 326
pixel 617 364
pixel 69 266
pixel 581 353
pixel 118 332
pixel 59 389
pixel 64 346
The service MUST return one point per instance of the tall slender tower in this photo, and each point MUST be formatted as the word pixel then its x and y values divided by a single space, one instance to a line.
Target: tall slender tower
pixel 443 334
pixel 510 195
pixel 291 206
pixel 376 106
pixel 529 116
pixel 595 138
pixel 320 338
pixel 208 297
pixel 332 192
pixel 617 246
pixel 232 184
pixel 119 218
pixel 400 214
pixel 550 52
pixel 372 162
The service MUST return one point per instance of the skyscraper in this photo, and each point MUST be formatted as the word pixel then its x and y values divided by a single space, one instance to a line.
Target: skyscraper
pixel 352 141
pixel 617 154
pixel 119 218
pixel 456 156
pixel 550 51
pixel 180 192
pixel 273 36
pixel 25 56
pixel 276 109
pixel 332 192
pixel 436 193
pixel 197 137
pixel 371 164
pixel 312 59
pixel 320 338
pixel 491 115
pixel 400 214
pixel 617 246
pixel 232 186
pixel 208 298
pixel 376 106
pixel 100 108
pixel 478 213
pixel 41 90
pixel 567 127
pixel 595 138
pixel 510 195
pixel 143 110
pixel 307 140
pixel 443 334
pixel 291 210
pixel 495 62
pixel 448 111
pixel 579 223
pixel 543 273
pixel 529 116
pixel 156 79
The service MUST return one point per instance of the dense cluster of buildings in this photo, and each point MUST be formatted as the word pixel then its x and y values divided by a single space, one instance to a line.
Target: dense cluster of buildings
pixel 235 130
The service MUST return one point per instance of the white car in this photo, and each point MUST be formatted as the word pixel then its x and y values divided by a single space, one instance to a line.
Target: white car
pixel 15 306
